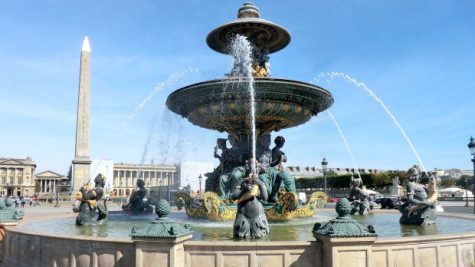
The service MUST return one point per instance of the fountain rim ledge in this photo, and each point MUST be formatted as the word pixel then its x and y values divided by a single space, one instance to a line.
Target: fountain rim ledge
pixel 383 240
pixel 256 79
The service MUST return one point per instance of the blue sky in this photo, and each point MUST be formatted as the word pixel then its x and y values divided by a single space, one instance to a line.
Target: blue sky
pixel 417 56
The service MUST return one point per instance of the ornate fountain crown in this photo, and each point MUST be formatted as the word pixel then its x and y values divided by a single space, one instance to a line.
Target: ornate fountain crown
pixel 263 34
pixel 279 103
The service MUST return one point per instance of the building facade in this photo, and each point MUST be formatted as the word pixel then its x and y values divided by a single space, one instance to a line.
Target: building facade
pixel 17 177
pixel 126 175
pixel 48 182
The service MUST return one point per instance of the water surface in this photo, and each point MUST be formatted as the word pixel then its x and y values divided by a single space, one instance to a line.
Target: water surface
pixel 119 226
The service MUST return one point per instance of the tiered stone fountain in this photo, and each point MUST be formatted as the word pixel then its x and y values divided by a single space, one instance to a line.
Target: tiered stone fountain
pixel 223 105
pixel 47 241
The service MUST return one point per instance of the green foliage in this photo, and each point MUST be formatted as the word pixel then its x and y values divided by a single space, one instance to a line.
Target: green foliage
pixel 381 179
pixel 448 182
pixel 461 181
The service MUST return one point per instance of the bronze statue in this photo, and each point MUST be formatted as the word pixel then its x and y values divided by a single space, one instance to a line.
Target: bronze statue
pixel 227 176
pixel 136 204
pixel 250 218
pixel 92 200
pixel 421 200
pixel 275 177
pixel 359 198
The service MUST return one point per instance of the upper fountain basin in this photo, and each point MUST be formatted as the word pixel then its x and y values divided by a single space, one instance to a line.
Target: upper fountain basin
pixel 223 104
pixel 263 34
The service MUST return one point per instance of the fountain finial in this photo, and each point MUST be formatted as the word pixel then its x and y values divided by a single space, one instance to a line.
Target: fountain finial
pixel 162 209
pixel 248 10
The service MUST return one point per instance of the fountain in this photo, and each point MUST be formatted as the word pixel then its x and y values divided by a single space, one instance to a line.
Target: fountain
pixel 223 105
pixel 226 105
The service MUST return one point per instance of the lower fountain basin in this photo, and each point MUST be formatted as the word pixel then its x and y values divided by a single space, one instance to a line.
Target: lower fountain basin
pixel 119 226
pixel 57 242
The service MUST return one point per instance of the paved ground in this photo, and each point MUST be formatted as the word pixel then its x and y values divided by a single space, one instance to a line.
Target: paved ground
pixel 457 207
pixel 64 208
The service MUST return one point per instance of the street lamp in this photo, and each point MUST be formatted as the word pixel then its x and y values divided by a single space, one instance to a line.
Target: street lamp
pixel 159 188
pixel 466 192
pixel 168 187
pixel 324 168
pixel 56 189
pixel 471 146
pixel 200 178
pixel 120 193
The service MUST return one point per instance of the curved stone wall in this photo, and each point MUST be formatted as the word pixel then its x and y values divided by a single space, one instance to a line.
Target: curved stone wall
pixel 26 249
pixel 22 248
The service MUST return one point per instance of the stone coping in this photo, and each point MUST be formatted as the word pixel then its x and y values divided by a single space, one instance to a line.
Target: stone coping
pixel 257 244
pixel 424 239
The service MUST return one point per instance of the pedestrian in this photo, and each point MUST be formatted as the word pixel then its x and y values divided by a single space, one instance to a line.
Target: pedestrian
pixel 23 200
pixel 30 199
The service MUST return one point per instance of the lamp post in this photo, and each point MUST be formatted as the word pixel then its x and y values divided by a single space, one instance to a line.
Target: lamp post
pixel 466 192
pixel 471 146
pixel 159 189
pixel 56 189
pixel 200 178
pixel 168 187
pixel 120 193
pixel 324 168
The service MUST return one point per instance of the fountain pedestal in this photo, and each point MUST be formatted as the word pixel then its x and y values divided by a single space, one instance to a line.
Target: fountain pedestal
pixel 161 242
pixel 160 252
pixel 344 241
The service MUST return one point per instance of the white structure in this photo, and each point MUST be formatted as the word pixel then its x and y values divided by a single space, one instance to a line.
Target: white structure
pixel 455 192
pixel 190 171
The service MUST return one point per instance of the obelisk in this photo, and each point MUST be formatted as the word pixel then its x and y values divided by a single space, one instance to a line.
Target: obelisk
pixel 81 162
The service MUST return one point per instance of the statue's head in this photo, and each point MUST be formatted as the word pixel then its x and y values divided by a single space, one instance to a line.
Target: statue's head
pixel 100 180
pixel 279 141
pixel 140 183
pixel 246 185
pixel 356 182
pixel 414 173
pixel 221 142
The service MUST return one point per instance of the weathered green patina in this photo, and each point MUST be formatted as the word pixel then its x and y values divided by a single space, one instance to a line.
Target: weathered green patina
pixel 8 214
pixel 163 227
pixel 91 200
pixel 343 226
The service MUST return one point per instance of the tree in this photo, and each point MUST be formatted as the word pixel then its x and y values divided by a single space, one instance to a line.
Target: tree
pixel 448 182
pixel 461 181
pixel 381 180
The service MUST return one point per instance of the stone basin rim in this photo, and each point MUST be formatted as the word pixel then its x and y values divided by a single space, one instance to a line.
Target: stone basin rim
pixel 446 236
pixel 244 79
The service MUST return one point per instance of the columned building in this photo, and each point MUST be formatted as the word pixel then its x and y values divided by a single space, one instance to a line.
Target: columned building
pixel 126 175
pixel 17 177
pixel 48 182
